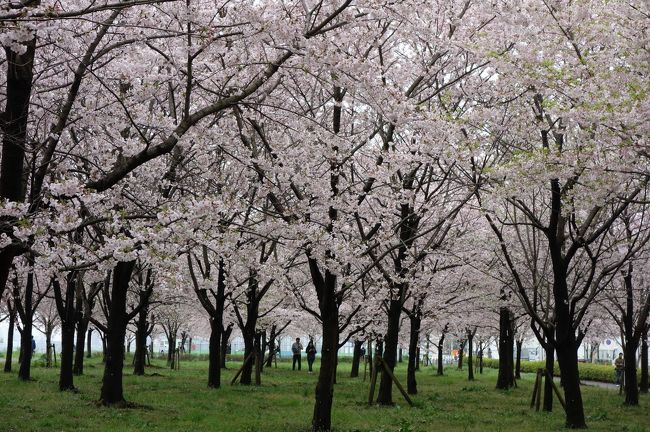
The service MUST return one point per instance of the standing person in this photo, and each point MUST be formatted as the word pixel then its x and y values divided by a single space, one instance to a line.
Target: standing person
pixel 311 354
pixel 296 349
pixel 33 345
pixel 619 364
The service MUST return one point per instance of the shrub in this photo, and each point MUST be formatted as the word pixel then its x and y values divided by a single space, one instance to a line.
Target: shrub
pixel 588 371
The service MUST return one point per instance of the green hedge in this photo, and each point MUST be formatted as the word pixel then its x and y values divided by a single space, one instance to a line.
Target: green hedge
pixel 588 371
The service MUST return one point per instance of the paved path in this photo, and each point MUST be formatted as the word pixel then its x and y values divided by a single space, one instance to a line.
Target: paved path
pixel 600 384
pixel 604 385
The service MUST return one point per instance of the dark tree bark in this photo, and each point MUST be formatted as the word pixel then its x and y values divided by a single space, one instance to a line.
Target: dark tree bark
pixel 370 356
pixel 26 313
pixel 254 295
pixel 143 329
pixel 271 344
pixel 328 305
pixel 112 392
pixel 506 377
pixel 518 343
pixel 89 350
pixel 102 337
pixel 246 377
pixel 385 393
pixel 257 357
pixel 82 331
pixel 225 339
pixel 470 353
pixel 216 354
pixel 356 358
pixel 643 384
pixel 49 329
pixel 461 353
pixel 13 124
pixel 415 318
pixel 65 304
pixel 10 337
pixel 632 332
pixel 262 350
pixel 441 342
pixel 631 383
pixel 549 351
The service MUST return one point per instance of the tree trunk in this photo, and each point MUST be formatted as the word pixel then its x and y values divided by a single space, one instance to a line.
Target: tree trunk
pixel 24 372
pixel 399 355
pixel 411 383
pixel 18 89
pixel 369 354
pixel 441 341
pixel 506 377
pixel 631 383
pixel 102 336
pixel 82 330
pixel 356 358
pixel 66 377
pixel 385 393
pixel 327 303
pixel 171 344
pixel 518 343
pixel 48 345
pixel 262 350
pixel 112 392
pixel 247 369
pixel 10 339
pixel 257 358
pixel 139 357
pixel 65 302
pixel 568 360
pixel 225 337
pixel 89 351
pixel 548 384
pixel 214 355
pixel 643 384
pixel 271 344
pixel 470 353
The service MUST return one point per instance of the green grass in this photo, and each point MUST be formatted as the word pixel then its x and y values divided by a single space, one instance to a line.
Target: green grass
pixel 181 401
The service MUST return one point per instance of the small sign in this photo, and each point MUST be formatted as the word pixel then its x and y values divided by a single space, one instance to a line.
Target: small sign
pixel 608 342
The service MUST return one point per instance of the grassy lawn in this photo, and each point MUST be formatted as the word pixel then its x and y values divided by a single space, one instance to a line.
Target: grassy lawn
pixel 181 401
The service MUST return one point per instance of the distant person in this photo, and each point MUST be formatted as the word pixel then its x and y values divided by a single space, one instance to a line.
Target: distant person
pixel 311 354
pixel 33 345
pixel 296 349
pixel 362 353
pixel 619 364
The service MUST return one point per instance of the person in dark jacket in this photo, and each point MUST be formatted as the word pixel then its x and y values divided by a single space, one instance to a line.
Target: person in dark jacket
pixel 311 354
pixel 296 349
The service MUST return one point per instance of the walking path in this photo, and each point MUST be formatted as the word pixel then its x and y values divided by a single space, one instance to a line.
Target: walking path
pixel 600 384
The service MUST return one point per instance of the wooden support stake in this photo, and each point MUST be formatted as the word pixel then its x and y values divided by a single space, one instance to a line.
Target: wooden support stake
pixel 555 389
pixel 397 383
pixel 234 380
